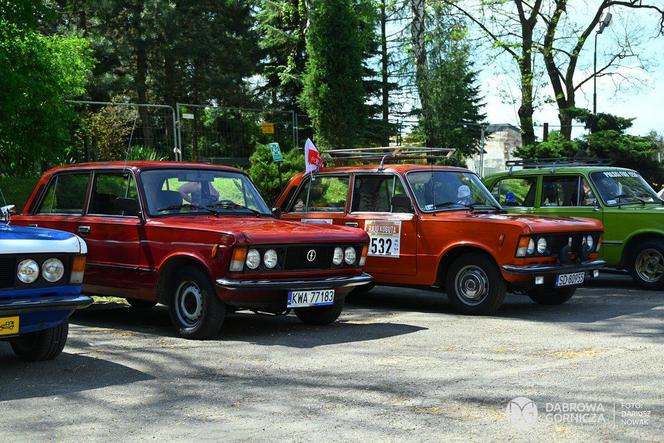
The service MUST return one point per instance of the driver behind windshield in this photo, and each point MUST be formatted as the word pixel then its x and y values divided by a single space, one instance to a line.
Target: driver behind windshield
pixel 199 193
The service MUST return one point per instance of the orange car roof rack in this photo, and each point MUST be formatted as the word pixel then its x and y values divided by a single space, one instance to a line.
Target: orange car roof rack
pixel 384 153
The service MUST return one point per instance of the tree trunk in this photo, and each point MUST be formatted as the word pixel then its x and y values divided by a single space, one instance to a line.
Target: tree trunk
pixel 526 109
pixel 419 49
pixel 140 79
pixel 385 86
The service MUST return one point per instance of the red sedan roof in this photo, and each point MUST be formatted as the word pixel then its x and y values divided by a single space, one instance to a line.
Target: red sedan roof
pixel 143 164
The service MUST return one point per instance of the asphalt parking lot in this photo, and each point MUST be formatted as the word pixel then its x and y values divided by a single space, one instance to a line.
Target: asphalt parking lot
pixel 399 365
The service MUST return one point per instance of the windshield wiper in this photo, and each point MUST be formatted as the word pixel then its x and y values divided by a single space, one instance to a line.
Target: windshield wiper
pixel 626 196
pixel 188 205
pixel 232 205
pixel 450 203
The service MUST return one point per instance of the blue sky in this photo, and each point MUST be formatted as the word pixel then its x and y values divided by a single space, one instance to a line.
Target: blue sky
pixel 635 93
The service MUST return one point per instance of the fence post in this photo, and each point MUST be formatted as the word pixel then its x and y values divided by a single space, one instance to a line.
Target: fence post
pixel 179 127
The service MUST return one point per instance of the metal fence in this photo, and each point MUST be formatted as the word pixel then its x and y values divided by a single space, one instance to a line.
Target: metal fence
pixel 230 135
pixel 116 131
pixel 191 132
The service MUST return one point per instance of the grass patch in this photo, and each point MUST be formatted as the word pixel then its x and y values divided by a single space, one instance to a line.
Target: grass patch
pixel 16 190
pixel 102 300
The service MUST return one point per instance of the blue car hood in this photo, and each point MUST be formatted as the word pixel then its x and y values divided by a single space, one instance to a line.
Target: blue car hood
pixel 22 240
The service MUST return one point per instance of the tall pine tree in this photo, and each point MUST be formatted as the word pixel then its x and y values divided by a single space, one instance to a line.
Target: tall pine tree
pixel 333 93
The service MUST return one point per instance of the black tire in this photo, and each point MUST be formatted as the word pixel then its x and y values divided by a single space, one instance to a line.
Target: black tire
pixel 137 303
pixel 196 311
pixel 474 285
pixel 647 264
pixel 42 345
pixel 323 315
pixel 551 296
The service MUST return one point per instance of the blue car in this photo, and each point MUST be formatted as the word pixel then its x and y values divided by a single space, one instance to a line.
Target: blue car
pixel 41 271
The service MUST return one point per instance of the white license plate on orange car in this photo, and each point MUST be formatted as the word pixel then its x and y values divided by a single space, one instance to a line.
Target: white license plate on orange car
pixel 575 278
pixel 306 299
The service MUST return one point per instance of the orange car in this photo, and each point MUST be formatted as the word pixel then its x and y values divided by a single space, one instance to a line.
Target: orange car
pixel 438 226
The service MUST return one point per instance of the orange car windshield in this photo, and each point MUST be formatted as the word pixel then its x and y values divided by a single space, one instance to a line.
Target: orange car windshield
pixel 449 190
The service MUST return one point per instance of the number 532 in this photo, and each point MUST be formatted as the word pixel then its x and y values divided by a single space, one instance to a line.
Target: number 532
pixel 381 246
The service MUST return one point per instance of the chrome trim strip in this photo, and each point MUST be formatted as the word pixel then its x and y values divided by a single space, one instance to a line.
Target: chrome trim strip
pixel 553 268
pixel 127 267
pixel 316 283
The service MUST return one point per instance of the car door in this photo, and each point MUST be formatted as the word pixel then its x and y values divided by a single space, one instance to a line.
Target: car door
pixel 381 206
pixel 516 194
pixel 113 234
pixel 321 198
pixel 62 203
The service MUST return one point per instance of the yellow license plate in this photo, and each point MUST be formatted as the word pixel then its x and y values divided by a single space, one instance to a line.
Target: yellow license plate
pixel 9 325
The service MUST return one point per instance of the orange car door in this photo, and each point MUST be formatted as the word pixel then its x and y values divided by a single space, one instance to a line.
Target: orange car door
pixel 380 206
pixel 320 199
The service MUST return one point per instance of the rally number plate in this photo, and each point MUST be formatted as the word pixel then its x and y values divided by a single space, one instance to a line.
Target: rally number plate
pixel 573 279
pixel 9 325
pixel 305 299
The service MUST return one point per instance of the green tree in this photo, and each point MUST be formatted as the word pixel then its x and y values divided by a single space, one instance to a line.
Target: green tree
pixel 454 98
pixel 264 172
pixel 282 24
pixel 333 92
pixel 37 74
pixel 606 140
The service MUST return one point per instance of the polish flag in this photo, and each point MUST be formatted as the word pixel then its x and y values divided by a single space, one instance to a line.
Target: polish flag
pixel 312 160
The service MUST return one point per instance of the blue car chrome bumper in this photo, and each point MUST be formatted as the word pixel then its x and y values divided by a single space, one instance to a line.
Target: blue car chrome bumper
pixel 42 308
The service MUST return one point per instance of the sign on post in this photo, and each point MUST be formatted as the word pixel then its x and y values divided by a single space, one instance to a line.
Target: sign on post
pixel 276 152
pixel 267 127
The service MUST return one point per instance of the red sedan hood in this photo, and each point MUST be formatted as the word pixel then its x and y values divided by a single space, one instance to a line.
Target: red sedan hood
pixel 259 230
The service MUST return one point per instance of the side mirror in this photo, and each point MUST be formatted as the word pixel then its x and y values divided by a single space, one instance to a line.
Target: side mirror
pixel 6 212
pixel 276 212
pixel 129 206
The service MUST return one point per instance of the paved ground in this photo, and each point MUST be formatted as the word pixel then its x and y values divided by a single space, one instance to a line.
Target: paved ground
pixel 398 366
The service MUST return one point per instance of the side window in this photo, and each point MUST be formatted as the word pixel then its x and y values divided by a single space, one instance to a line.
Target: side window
pixel 108 187
pixel 65 195
pixel 379 193
pixel 322 194
pixel 566 191
pixel 586 194
pixel 515 191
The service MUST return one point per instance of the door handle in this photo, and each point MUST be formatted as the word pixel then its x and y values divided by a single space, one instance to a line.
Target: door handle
pixel 352 224
pixel 32 225
pixel 84 229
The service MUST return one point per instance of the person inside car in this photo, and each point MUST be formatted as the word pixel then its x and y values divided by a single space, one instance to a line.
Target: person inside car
pixel 199 193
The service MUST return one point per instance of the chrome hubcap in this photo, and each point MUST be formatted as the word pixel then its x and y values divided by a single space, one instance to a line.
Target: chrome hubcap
pixel 471 285
pixel 188 303
pixel 650 265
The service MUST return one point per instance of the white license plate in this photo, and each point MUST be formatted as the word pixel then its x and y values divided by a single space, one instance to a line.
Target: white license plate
pixel 315 297
pixel 575 278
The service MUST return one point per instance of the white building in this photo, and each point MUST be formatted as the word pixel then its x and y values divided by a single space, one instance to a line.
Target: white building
pixel 499 146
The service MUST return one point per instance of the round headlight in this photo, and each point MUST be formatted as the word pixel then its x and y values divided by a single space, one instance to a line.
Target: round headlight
pixel 53 270
pixel 338 256
pixel 270 258
pixel 531 246
pixel 350 255
pixel 253 259
pixel 541 246
pixel 28 271
pixel 590 242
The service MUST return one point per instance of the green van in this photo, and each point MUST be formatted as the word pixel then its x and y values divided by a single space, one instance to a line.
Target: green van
pixel 632 213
